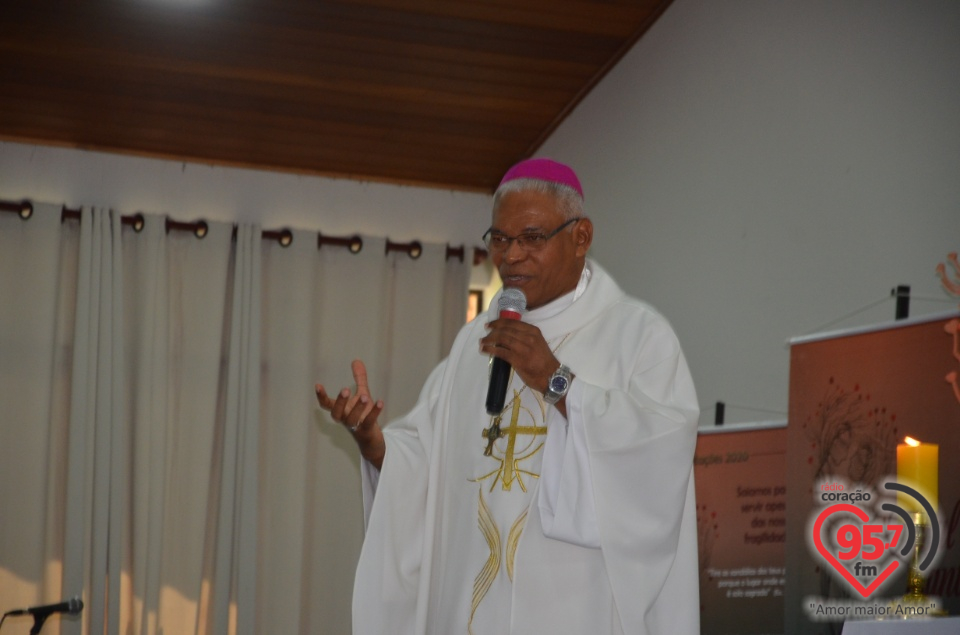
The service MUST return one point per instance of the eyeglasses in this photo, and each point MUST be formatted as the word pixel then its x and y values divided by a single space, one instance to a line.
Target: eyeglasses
pixel 498 242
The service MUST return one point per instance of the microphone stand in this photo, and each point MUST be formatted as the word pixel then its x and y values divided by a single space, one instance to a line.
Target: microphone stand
pixel 38 620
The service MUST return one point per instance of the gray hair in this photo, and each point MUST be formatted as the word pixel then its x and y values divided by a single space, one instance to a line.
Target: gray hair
pixel 569 200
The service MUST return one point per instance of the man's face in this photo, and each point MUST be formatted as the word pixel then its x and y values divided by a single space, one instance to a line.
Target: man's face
pixel 552 271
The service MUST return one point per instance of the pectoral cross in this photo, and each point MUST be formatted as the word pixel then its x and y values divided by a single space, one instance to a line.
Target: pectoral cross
pixel 491 434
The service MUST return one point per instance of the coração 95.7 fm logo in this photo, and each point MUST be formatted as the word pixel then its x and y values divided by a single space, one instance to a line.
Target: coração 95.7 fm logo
pixel 865 548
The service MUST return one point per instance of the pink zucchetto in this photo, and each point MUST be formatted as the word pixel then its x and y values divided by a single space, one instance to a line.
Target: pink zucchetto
pixel 544 170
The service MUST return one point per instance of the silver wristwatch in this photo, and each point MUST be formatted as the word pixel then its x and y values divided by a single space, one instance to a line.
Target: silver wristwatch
pixel 558 385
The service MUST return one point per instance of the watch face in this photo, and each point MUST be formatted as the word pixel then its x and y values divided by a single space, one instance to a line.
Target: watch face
pixel 558 384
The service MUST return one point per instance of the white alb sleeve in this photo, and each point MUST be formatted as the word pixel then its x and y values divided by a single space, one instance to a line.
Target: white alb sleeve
pixel 567 509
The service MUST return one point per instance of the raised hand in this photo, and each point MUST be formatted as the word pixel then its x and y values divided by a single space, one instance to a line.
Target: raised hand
pixel 358 413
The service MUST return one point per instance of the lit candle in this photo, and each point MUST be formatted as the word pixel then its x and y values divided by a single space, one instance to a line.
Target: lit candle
pixel 917 467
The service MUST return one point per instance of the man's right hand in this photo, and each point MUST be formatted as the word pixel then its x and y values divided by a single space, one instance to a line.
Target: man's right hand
pixel 358 413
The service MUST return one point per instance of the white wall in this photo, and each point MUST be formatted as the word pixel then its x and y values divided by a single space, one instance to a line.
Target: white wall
pixel 191 191
pixel 758 169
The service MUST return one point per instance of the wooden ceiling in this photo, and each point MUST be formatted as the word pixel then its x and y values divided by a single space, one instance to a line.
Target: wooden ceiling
pixel 445 93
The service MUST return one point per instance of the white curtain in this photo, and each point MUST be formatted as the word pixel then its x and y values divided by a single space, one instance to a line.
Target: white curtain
pixel 161 452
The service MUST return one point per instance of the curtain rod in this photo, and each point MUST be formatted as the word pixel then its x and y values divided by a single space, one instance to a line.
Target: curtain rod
pixel 284 237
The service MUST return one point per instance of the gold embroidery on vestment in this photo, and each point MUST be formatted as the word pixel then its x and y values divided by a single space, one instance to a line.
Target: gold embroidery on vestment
pixel 509 469
pixel 484 579
pixel 513 540
pixel 506 473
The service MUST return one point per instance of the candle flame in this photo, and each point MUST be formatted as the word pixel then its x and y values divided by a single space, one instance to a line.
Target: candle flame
pixel 911 441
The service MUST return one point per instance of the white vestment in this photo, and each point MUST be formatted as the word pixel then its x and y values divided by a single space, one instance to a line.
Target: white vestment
pixel 604 540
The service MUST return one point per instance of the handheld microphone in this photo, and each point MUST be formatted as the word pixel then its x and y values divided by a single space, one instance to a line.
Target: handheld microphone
pixel 512 304
pixel 72 606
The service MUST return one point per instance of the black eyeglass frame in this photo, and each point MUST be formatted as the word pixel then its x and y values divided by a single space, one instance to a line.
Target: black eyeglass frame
pixel 488 235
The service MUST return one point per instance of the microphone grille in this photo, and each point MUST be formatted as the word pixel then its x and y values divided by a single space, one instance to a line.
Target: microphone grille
pixel 75 605
pixel 513 300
